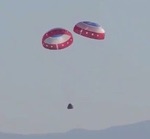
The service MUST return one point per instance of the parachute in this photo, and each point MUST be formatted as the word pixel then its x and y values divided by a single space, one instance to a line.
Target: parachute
pixel 57 38
pixel 90 30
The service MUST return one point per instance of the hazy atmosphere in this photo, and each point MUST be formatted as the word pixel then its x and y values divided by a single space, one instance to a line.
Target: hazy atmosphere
pixel 107 81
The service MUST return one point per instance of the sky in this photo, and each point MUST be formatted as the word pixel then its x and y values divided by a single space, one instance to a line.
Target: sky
pixel 106 81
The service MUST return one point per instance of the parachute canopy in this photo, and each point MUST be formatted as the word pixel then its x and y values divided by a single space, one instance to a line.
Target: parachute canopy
pixel 90 30
pixel 57 38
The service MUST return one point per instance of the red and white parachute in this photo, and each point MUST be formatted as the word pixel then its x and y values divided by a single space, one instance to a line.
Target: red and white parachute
pixel 90 29
pixel 57 38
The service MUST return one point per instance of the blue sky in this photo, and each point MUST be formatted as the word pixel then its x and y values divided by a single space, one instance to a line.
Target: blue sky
pixel 107 81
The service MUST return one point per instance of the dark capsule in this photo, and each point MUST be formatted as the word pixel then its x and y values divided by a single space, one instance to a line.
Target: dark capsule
pixel 70 106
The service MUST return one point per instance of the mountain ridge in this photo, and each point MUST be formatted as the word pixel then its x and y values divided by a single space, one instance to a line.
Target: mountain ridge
pixel 139 130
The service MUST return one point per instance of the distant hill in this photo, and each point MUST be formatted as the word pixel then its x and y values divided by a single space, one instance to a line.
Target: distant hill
pixel 139 130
